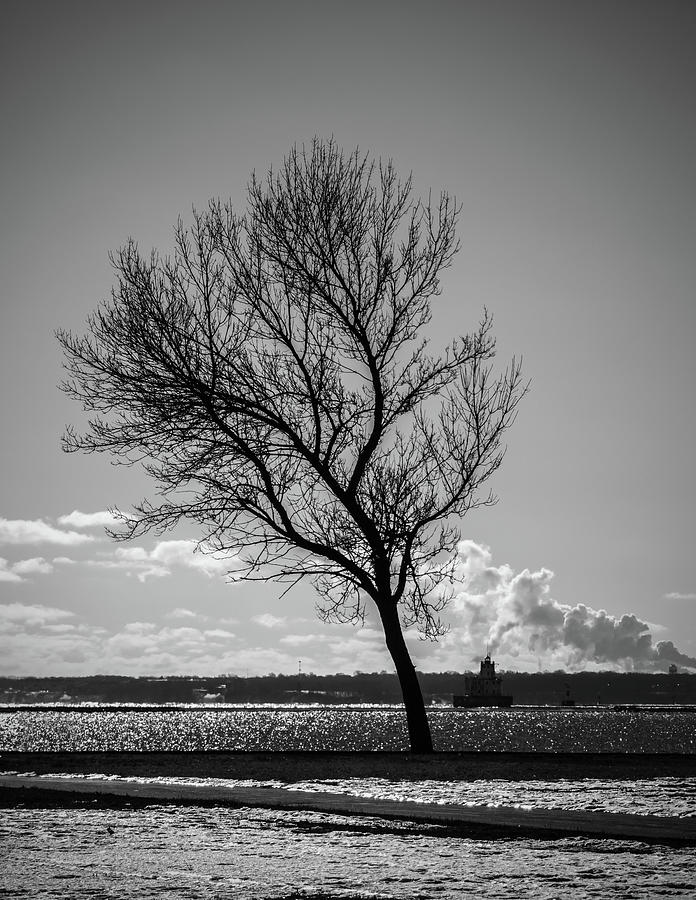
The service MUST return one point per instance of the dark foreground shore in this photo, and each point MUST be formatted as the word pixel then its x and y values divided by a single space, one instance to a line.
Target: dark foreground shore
pixel 300 766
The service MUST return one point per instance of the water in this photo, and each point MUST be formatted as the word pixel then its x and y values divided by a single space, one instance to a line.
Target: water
pixel 190 852
pixel 349 728
pixel 186 853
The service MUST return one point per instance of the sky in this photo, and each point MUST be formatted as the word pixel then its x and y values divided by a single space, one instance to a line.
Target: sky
pixel 566 130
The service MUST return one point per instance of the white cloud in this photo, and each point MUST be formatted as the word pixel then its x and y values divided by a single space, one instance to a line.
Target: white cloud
pixel 180 613
pixel 168 555
pixel 36 639
pixel 676 595
pixel 218 634
pixel 139 628
pixel 6 572
pixel 515 616
pixel 36 531
pixel 298 640
pixel 35 566
pixel 30 615
pixel 186 553
pixel 266 620
pixel 77 519
pixel 16 571
pixel 164 559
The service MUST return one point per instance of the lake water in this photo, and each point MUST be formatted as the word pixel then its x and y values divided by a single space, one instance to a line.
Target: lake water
pixel 191 853
pixel 264 728
pixel 195 852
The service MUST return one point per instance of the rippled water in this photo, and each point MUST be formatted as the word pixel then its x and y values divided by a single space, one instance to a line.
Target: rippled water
pixel 193 852
pixel 189 853
pixel 349 728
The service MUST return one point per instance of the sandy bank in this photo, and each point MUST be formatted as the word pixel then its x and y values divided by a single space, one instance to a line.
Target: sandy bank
pixel 547 822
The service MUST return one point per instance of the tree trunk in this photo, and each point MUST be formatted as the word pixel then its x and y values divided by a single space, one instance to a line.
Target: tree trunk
pixel 418 727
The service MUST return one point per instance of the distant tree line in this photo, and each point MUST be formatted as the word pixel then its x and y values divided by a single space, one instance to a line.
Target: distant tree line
pixel 360 687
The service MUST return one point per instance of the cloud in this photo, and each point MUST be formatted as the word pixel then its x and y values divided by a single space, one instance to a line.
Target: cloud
pixel 266 620
pixel 181 649
pixel 77 519
pixel 16 571
pixel 187 553
pixel 180 613
pixel 42 640
pixel 514 613
pixel 667 651
pixel 6 573
pixel 25 615
pixel 139 628
pixel 35 566
pixel 36 531
pixel 299 640
pixel 218 635
pixel 166 557
pixel 676 595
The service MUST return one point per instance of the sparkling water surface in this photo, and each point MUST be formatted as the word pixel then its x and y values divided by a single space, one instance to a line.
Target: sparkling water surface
pixel 191 852
pixel 348 728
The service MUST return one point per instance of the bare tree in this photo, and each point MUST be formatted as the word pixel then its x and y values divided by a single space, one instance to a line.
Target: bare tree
pixel 272 377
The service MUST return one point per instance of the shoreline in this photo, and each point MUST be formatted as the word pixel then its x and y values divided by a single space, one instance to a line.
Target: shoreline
pixel 34 791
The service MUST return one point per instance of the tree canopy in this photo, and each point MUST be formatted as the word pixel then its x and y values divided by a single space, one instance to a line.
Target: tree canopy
pixel 274 378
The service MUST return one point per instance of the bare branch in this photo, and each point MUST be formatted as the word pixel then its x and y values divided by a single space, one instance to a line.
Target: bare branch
pixel 273 377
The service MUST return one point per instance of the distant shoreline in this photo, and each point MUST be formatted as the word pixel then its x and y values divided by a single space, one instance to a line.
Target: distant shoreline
pixel 89 707
pixel 603 689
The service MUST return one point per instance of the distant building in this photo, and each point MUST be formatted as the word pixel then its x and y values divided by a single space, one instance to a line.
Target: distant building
pixel 484 689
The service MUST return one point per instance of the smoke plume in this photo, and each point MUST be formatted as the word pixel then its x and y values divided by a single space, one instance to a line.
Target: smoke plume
pixel 514 614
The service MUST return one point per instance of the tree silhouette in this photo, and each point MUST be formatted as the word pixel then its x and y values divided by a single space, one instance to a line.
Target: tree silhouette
pixel 272 377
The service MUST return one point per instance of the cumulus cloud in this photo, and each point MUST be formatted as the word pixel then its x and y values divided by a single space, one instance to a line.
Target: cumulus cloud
pixel 37 565
pixel 513 613
pixel 180 648
pixel 30 615
pixel 6 573
pixel 669 653
pixel 77 519
pixel 266 620
pixel 181 613
pixel 18 571
pixel 677 595
pixel 298 640
pixel 186 553
pixel 36 531
pixel 165 558
pixel 218 634
pixel 36 639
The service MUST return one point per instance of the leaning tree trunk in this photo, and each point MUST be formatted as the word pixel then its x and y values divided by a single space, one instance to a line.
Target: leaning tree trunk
pixel 418 727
